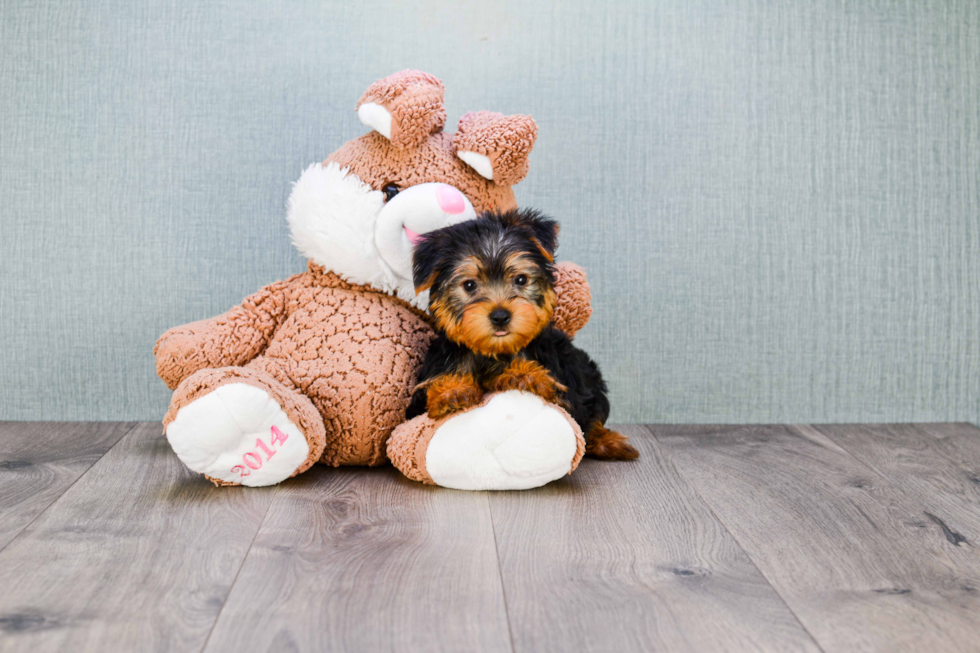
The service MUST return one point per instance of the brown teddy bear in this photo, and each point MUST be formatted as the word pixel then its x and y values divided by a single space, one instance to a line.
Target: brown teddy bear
pixel 320 367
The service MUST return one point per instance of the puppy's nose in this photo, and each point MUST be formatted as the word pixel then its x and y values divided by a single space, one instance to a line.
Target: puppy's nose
pixel 500 317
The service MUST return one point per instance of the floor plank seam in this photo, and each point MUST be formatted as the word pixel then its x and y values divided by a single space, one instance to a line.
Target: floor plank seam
pixel 670 461
pixel 231 587
pixel 500 574
pixel 133 426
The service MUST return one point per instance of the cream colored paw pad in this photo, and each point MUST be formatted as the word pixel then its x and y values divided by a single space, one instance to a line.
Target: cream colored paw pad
pixel 239 434
pixel 515 442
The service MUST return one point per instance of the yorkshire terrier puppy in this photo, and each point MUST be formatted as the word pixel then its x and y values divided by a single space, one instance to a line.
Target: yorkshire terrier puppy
pixel 491 293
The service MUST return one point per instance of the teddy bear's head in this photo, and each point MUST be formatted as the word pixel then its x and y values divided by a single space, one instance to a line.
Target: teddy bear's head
pixel 361 211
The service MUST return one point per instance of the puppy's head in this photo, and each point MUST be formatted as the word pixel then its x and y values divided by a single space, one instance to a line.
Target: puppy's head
pixel 491 279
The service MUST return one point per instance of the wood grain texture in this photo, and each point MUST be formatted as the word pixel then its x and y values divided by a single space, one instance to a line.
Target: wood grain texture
pixel 40 460
pixel 718 538
pixel 854 556
pixel 937 464
pixel 626 557
pixel 366 560
pixel 138 555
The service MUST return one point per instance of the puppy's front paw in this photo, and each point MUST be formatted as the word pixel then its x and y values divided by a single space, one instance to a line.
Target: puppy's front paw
pixel 529 376
pixel 451 393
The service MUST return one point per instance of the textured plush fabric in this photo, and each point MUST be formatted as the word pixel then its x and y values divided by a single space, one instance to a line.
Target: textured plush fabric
pixel 376 161
pixel 575 308
pixel 232 338
pixel 505 140
pixel 776 201
pixel 354 352
pixel 415 101
pixel 407 445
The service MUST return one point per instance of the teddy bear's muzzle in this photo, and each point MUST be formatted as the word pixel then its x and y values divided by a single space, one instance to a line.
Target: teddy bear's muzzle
pixel 412 213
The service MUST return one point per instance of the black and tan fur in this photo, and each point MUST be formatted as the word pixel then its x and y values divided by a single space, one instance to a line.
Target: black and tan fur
pixel 491 285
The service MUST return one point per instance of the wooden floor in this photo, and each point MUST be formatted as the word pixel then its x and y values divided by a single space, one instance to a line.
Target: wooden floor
pixel 776 538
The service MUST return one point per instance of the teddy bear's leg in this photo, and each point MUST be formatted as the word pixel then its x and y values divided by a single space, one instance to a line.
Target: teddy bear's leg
pixel 511 441
pixel 242 426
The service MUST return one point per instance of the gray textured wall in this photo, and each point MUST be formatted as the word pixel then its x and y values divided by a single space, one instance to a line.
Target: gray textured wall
pixel 778 202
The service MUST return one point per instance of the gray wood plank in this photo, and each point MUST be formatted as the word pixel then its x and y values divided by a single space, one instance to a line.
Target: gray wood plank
pixel 626 557
pixel 40 460
pixel 366 560
pixel 853 556
pixel 138 555
pixel 939 464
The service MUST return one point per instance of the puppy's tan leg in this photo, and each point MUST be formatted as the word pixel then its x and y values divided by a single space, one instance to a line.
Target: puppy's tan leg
pixel 528 376
pixel 604 444
pixel 450 393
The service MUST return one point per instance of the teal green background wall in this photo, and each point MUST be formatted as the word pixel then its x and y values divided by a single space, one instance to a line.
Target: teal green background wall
pixel 778 202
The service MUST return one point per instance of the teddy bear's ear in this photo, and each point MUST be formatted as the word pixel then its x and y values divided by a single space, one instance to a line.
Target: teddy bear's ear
pixel 404 108
pixel 495 145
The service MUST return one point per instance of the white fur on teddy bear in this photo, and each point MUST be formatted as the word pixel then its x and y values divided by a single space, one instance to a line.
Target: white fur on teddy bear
pixel 220 433
pixel 515 442
pixel 344 225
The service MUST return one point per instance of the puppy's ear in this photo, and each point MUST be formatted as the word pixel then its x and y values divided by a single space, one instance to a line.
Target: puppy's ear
pixel 544 230
pixel 426 261
pixel 545 236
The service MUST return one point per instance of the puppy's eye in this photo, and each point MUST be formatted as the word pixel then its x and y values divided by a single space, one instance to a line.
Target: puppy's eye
pixel 521 280
pixel 469 285
pixel 390 190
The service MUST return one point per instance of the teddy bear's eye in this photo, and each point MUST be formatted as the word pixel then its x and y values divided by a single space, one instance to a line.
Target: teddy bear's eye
pixel 390 190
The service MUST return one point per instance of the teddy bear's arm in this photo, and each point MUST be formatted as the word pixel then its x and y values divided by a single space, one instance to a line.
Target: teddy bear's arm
pixel 232 338
pixel 574 307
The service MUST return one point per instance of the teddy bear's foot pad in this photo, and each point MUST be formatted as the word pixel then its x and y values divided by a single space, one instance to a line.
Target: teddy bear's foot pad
pixel 515 442
pixel 238 434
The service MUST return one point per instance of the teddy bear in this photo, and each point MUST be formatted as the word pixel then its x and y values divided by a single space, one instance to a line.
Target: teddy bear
pixel 320 367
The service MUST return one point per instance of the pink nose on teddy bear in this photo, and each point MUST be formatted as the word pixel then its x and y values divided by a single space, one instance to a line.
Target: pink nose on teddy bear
pixel 450 200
